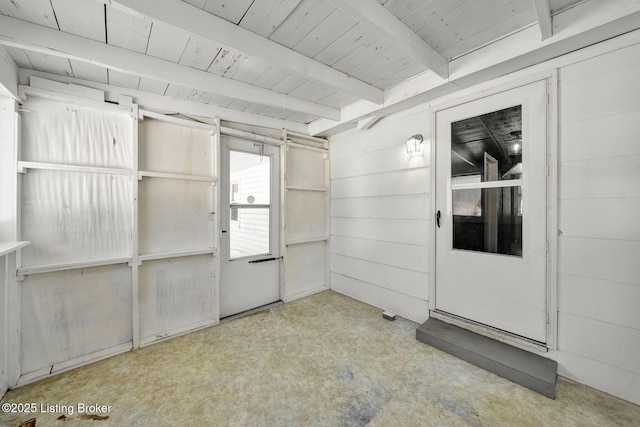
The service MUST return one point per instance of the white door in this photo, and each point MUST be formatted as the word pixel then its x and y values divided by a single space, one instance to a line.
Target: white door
pixel 250 237
pixel 491 211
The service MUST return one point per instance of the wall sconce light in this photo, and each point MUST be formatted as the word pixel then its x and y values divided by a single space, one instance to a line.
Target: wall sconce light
pixel 414 144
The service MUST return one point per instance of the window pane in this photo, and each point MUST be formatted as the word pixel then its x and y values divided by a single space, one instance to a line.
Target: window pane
pixel 249 235
pixel 489 146
pixel 249 195
pixel 250 178
pixel 488 220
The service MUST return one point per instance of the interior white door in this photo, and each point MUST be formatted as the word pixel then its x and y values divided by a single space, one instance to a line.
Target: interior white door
pixel 250 218
pixel 491 211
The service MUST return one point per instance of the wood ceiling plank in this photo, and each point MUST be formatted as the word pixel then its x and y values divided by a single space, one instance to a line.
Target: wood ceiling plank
pixel 50 63
pixel 226 62
pixel 152 86
pixel 403 8
pixel 307 16
pixel 264 16
pixel 289 83
pixel 86 71
pixel 464 23
pixel 368 50
pixel 197 3
pixel 338 99
pixel 386 64
pixel 430 13
pixel 252 69
pixel 190 19
pixel 490 34
pixel 200 96
pixel 127 31
pixel 220 100
pixel 543 11
pixel 19 56
pixel 166 43
pixel 356 37
pixel 117 78
pixel 231 10
pixel 178 91
pixel 37 38
pixel 199 53
pixel 312 90
pixel 271 78
pixel 386 25
pixel 392 78
pixel 336 24
pixel 37 11
pixel 85 18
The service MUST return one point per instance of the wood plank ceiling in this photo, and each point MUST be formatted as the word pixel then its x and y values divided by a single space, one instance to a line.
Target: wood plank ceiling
pixel 296 61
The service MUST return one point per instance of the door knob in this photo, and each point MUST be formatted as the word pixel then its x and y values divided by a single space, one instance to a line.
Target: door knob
pixel 438 219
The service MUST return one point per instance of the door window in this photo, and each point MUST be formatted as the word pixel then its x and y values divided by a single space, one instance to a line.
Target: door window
pixel 250 204
pixel 486 182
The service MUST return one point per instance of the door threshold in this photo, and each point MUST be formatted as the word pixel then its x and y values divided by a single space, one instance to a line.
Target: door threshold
pixel 487 331
pixel 250 311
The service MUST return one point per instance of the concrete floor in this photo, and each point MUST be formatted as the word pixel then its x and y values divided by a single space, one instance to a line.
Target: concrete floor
pixel 325 360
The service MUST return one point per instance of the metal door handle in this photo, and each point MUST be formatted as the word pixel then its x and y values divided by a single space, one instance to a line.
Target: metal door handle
pixel 264 260
pixel 438 219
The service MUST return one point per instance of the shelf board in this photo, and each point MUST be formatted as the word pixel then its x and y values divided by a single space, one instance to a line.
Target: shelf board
pixel 23 166
pixel 39 269
pixel 149 174
pixel 175 254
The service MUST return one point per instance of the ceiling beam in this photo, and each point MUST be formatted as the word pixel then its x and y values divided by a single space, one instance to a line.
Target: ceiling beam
pixel 33 37
pixel 187 18
pixel 588 23
pixel 544 18
pixel 8 75
pixel 153 101
pixel 384 23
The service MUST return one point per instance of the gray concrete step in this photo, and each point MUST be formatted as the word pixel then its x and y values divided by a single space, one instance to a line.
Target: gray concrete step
pixel 522 367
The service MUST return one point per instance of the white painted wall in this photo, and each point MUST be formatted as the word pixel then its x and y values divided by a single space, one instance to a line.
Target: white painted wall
pixel 380 215
pixel 381 229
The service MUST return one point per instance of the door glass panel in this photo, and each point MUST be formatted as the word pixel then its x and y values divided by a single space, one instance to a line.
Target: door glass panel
pixel 488 220
pixel 489 146
pixel 250 198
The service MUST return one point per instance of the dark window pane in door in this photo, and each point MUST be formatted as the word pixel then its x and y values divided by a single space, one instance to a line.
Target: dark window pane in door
pixel 488 220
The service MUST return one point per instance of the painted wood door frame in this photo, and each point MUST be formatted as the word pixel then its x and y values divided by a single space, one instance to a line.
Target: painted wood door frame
pixel 487 89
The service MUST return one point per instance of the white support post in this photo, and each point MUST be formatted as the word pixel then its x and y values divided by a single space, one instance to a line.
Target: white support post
pixel 215 205
pixel 283 214
pixel 135 312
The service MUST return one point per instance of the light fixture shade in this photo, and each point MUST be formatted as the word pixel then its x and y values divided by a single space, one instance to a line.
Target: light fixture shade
pixel 414 144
